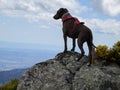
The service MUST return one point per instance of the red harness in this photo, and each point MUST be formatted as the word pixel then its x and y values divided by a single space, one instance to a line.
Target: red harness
pixel 76 22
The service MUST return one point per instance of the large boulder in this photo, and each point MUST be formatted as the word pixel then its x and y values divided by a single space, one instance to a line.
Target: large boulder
pixel 64 72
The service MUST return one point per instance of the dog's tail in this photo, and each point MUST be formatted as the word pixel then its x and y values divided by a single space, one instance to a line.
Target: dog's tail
pixel 93 45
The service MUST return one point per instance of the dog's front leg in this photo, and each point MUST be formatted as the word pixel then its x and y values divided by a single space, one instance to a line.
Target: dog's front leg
pixel 65 43
pixel 73 48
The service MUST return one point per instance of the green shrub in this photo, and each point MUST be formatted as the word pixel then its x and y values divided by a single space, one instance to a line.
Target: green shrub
pixel 12 85
pixel 103 52
pixel 112 54
pixel 115 52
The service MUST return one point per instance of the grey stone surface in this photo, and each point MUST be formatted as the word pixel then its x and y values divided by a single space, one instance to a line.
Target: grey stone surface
pixel 64 72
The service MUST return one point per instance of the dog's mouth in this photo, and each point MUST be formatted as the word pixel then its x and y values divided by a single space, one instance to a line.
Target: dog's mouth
pixel 55 17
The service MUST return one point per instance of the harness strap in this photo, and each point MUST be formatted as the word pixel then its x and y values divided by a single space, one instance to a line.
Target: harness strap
pixel 66 18
pixel 76 22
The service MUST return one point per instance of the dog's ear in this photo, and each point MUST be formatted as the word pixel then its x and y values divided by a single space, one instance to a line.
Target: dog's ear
pixel 66 9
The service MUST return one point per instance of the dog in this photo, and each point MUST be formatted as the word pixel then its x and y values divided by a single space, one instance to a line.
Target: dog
pixel 75 29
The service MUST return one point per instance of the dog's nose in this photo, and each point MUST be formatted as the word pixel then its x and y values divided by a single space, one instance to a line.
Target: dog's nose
pixel 54 17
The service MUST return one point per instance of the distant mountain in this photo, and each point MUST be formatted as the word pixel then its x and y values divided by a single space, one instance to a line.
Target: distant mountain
pixel 6 76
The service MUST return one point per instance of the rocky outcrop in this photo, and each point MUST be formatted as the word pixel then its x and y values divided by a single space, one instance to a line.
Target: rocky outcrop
pixel 64 72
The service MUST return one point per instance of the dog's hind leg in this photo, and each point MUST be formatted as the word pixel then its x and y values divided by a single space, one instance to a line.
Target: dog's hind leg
pixel 80 45
pixel 74 44
pixel 90 46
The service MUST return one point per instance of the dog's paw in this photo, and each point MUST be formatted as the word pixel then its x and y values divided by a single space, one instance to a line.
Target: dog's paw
pixel 88 64
pixel 65 51
pixel 72 50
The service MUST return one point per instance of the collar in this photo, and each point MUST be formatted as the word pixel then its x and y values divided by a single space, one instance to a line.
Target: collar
pixel 66 16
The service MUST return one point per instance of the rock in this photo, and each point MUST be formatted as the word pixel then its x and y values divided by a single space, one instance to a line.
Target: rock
pixel 64 72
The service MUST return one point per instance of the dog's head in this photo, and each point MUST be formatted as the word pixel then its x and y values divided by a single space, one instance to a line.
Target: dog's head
pixel 60 13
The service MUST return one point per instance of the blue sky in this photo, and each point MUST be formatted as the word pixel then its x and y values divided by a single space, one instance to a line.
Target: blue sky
pixel 31 21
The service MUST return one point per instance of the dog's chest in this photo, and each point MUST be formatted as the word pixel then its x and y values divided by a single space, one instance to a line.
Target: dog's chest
pixel 70 28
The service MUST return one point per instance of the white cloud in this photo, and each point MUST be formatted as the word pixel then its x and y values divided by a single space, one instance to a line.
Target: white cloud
pixel 44 27
pixel 105 26
pixel 43 10
pixel 109 7
pixel 37 9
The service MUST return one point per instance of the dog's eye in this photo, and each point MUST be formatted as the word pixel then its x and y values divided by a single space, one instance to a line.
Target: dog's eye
pixel 60 11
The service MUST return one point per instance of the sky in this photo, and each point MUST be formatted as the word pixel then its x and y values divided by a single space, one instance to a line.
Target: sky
pixel 31 21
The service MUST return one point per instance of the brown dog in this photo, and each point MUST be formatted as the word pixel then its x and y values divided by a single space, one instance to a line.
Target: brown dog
pixel 75 29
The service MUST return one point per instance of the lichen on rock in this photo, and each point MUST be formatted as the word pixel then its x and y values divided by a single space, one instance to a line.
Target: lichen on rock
pixel 64 72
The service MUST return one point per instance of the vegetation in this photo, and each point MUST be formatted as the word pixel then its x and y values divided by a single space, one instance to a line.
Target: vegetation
pixel 112 54
pixel 12 85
